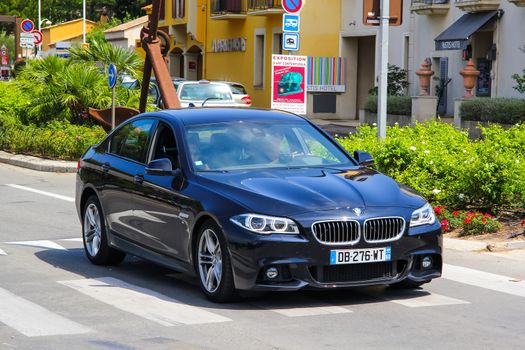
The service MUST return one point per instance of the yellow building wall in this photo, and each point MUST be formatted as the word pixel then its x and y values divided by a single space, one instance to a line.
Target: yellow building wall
pixel 64 32
pixel 319 36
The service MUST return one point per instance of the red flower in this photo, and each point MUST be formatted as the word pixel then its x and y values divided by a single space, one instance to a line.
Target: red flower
pixel 437 209
pixel 487 215
pixel 484 220
pixel 455 213
pixel 444 225
pixel 467 220
pixel 469 214
pixel 523 222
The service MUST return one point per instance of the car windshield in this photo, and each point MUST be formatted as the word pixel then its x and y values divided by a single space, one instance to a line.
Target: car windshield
pixel 244 145
pixel 201 92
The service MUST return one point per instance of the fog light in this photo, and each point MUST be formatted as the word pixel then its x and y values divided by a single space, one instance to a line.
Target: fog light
pixel 426 262
pixel 272 273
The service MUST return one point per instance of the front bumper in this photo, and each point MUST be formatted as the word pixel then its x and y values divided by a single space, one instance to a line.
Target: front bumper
pixel 302 261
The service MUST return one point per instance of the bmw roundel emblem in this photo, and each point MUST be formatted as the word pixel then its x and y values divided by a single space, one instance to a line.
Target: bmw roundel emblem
pixel 357 211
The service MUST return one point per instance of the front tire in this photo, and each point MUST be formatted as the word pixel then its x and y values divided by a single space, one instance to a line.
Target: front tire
pixel 94 235
pixel 213 264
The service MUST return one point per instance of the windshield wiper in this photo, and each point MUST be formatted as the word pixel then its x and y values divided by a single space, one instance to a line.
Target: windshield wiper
pixel 210 98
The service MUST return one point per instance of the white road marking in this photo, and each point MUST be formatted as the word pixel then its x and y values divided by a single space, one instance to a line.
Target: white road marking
pixel 415 298
pixel 2 252
pixel 487 280
pixel 39 244
pixel 45 193
pixel 32 319
pixel 143 302
pixel 79 239
pixel 298 307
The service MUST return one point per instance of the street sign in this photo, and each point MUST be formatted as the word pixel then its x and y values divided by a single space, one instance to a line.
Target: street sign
pixel 112 75
pixel 4 55
pixel 292 6
pixel 291 23
pixel 27 25
pixel 291 41
pixel 38 36
pixel 27 40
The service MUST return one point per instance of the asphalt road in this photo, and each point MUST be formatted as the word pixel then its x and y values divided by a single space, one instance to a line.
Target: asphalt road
pixel 51 297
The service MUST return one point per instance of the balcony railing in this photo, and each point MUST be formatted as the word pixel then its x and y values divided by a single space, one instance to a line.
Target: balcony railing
pixel 264 7
pixel 228 9
pixel 478 5
pixel 520 3
pixel 430 7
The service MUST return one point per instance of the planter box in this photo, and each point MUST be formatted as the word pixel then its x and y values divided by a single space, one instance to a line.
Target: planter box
pixel 391 119
pixel 474 132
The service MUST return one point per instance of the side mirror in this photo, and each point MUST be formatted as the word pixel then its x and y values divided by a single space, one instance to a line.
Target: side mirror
pixel 160 167
pixel 364 158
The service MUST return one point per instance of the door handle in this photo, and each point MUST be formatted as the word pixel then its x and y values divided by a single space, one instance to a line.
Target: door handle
pixel 139 178
pixel 105 168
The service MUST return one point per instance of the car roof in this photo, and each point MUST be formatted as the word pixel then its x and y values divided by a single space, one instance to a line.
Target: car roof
pixel 207 115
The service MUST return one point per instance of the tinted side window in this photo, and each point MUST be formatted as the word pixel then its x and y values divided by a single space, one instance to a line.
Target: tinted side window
pixel 132 140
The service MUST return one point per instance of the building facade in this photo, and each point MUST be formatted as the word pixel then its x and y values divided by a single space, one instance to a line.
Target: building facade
pixel 126 34
pixel 58 38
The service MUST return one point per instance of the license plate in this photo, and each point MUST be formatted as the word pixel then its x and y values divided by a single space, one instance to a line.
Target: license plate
pixel 357 256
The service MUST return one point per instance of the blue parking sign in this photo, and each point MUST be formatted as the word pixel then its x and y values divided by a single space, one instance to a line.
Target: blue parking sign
pixel 291 23
pixel 112 75
pixel 291 41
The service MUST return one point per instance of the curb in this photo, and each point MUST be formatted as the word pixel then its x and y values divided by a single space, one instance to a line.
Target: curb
pixel 472 245
pixel 39 164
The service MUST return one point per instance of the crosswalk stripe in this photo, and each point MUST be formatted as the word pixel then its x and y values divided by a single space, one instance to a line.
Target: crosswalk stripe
pixel 485 280
pixel 415 298
pixel 45 193
pixel 299 307
pixel 78 239
pixel 39 244
pixel 143 302
pixel 32 319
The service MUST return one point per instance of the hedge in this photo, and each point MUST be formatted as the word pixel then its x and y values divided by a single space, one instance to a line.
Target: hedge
pixel 496 110
pixel 398 105
pixel 442 164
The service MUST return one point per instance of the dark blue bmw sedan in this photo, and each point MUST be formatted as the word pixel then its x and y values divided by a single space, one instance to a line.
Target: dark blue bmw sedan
pixel 250 199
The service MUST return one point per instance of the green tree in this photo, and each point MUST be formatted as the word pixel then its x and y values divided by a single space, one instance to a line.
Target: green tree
pixel 397 81
pixel 520 81
pixel 126 61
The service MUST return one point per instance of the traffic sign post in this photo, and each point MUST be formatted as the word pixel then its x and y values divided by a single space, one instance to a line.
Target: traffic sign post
pixel 27 25
pixel 383 76
pixel 112 81
pixel 291 23
pixel 38 36
pixel 292 6
pixel 291 41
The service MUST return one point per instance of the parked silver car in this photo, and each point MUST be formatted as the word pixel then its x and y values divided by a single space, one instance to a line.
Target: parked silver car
pixel 205 93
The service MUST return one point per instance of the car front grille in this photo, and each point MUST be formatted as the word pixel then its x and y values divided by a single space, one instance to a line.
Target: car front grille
pixel 336 232
pixel 383 229
pixel 356 272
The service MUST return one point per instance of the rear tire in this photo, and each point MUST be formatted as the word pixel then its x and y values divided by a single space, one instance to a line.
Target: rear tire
pixel 94 235
pixel 213 264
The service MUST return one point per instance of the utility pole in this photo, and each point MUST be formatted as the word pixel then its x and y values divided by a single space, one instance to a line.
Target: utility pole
pixel 383 76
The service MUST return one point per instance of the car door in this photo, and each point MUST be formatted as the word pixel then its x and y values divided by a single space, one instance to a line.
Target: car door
pixel 128 149
pixel 161 210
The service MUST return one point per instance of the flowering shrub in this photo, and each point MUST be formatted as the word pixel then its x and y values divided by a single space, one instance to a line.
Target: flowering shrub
pixel 478 223
pixel 442 164
pixel 449 220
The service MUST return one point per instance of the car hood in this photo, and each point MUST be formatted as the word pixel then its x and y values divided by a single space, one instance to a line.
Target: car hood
pixel 293 191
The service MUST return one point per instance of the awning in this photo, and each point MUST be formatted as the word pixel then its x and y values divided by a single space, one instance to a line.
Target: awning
pixel 456 36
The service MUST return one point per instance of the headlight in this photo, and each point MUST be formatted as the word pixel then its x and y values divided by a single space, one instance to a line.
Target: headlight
pixel 265 224
pixel 423 216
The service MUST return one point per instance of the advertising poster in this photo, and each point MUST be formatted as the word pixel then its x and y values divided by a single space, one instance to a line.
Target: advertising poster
pixel 289 83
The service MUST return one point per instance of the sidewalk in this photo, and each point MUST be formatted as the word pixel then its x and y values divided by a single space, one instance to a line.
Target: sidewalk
pixel 40 164
pixel 475 245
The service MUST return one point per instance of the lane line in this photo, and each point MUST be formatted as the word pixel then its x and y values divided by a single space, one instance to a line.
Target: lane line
pixel 143 302
pixel 487 280
pixel 2 252
pixel 415 298
pixel 45 193
pixel 33 320
pixel 299 307
pixel 39 244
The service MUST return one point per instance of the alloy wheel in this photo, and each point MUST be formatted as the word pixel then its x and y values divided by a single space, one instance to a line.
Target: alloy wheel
pixel 210 260
pixel 92 229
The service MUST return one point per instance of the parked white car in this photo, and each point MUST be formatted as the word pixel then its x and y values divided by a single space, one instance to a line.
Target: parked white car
pixel 240 95
pixel 205 93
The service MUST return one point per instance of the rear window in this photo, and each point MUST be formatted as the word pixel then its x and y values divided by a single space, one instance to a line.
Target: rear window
pixel 238 89
pixel 200 92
